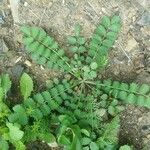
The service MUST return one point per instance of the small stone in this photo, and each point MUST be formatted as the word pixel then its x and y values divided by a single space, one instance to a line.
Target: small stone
pixel 28 63
pixel 102 112
pixel 25 4
pixel 131 44
pixel 145 19
pixel 17 70
pixel 1 20
pixel 148 136
pixel 145 30
pixel 3 47
pixel 144 3
pixel 133 19
pixel 1 17
pixel 104 10
pixel 18 59
pixel 54 144
pixel 41 67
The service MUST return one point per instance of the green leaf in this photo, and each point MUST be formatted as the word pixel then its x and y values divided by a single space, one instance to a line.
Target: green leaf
pixel 104 97
pixel 122 95
pixel 1 94
pixel 105 21
pixel 101 30
pixel 14 132
pixel 74 49
pixel 19 145
pixel 21 115
pixel 28 40
pixel 85 141
pixel 86 148
pixel 141 100
pixel 131 98
pixel 81 40
pixel 5 83
pixel 119 109
pixel 42 35
pixel 34 32
pixel 94 146
pixel 86 69
pixel 72 40
pixel 115 27
pixel 110 134
pixel 82 49
pixel 26 30
pixel 133 87
pixel 4 145
pixel 78 29
pixel 124 86
pixel 147 102
pixel 114 102
pixel 144 89
pixel 47 137
pixel 26 85
pixel 97 39
pixel 102 50
pixel 115 19
pixel 76 144
pixel 111 36
pixel 108 43
pixel 94 65
pixel 111 110
pixel 93 74
pixel 125 147
pixel 85 132
pixel 64 140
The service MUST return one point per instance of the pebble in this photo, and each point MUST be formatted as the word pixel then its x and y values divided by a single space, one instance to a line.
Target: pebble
pixel 131 44
pixel 145 19
pixel 28 63
pixel 25 4
pixel 17 70
pixel 54 144
pixel 3 47
pixel 18 59
pixel 144 3
pixel 1 17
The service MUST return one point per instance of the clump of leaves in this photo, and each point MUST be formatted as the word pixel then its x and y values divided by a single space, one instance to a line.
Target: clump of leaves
pixel 9 132
pixel 79 112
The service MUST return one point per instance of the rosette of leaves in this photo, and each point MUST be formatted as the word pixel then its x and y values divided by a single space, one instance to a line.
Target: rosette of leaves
pixel 73 103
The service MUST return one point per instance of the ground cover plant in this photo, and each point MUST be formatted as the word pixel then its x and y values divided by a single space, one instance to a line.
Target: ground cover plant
pixel 79 110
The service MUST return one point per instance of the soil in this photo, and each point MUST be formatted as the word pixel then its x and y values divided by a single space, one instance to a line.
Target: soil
pixel 129 59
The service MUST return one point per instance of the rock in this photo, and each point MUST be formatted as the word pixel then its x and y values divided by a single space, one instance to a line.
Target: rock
pixel 131 44
pixel 145 19
pixel 3 46
pixel 144 3
pixel 28 63
pixel 17 71
pixel 1 17
pixel 145 31
pixel 14 9
pixel 144 125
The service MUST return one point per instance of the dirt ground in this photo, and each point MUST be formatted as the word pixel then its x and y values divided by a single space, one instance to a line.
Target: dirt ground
pixel 129 59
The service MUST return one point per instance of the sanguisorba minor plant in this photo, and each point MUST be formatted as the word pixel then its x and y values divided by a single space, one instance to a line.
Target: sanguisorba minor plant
pixel 79 112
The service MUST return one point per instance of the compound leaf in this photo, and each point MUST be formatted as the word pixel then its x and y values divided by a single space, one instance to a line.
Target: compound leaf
pixel 26 85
